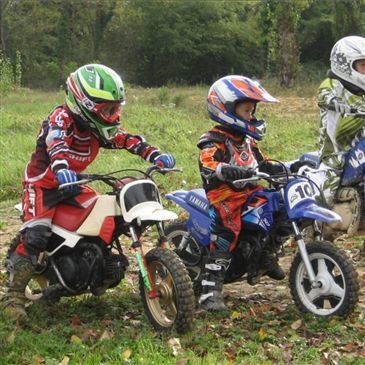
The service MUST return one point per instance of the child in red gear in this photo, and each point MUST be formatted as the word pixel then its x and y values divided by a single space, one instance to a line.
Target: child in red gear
pixel 229 152
pixel 69 141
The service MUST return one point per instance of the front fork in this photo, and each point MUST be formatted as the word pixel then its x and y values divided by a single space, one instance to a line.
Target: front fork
pixel 143 268
pixel 304 254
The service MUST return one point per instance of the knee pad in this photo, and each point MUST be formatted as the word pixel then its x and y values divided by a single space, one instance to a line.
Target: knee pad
pixel 36 239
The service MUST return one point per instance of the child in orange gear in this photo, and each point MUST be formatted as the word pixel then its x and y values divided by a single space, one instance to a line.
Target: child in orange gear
pixel 229 152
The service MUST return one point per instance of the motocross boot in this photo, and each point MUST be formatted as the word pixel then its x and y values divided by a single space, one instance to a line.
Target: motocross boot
pixel 20 271
pixel 215 269
pixel 269 261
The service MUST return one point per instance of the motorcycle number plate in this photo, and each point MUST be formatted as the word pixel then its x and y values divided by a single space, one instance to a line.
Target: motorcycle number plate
pixel 298 192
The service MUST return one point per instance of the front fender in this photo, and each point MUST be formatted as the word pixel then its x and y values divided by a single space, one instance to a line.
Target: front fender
pixel 313 211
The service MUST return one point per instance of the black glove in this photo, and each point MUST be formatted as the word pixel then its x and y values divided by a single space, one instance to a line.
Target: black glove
pixel 294 167
pixel 227 172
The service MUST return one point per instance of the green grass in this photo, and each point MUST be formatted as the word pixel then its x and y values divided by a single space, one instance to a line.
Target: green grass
pixel 76 327
pixel 72 330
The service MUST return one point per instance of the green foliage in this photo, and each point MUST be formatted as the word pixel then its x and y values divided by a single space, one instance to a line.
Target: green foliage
pixel 10 74
pixel 348 18
pixel 153 43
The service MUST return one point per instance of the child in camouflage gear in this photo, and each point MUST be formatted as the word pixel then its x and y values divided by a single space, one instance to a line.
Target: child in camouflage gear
pixel 342 143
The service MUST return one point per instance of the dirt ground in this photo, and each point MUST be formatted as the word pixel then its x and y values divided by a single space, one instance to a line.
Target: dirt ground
pixel 267 291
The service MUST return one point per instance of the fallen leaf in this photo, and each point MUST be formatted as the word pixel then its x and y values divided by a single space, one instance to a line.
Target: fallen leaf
pixel 90 334
pixel 288 357
pixel 230 354
pixel 11 338
pixel 235 315
pixel 297 324
pixel 274 322
pixel 174 344
pixel 182 361
pixel 64 361
pixel 126 354
pixel 106 336
pixel 135 323
pixel 348 348
pixel 262 334
pixel 76 340
pixel 75 321
pixel 38 359
pixel 252 312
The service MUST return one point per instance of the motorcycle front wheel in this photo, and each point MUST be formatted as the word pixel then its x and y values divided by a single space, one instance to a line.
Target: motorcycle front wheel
pixel 173 306
pixel 337 292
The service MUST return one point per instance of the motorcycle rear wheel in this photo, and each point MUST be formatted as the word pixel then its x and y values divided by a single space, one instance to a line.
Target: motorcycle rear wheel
pixel 338 293
pixel 174 305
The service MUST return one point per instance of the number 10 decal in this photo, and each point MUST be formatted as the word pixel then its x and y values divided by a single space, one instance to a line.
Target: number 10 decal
pixel 298 192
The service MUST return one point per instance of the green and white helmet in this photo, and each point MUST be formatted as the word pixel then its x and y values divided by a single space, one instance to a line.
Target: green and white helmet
pixel 96 93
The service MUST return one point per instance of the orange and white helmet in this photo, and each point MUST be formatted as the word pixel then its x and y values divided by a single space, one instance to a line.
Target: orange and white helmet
pixel 226 93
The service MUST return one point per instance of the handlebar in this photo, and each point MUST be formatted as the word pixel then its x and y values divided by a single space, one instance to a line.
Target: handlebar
pixel 111 180
pixel 353 111
pixel 282 178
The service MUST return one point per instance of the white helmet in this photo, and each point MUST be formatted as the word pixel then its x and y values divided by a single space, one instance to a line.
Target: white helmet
pixel 343 55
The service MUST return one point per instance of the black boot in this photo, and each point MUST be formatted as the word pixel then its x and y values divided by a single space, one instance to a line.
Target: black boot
pixel 20 271
pixel 270 262
pixel 215 269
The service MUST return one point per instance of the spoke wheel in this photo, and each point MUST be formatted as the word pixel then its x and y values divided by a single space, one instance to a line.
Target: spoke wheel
pixel 174 304
pixel 337 289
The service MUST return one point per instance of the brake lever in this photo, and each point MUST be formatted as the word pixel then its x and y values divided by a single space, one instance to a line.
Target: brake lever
pixel 78 182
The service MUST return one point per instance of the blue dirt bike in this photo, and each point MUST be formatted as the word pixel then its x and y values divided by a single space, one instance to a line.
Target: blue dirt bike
pixel 347 201
pixel 322 279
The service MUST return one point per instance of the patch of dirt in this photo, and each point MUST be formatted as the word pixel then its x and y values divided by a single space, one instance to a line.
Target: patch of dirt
pixel 278 292
pixel 11 223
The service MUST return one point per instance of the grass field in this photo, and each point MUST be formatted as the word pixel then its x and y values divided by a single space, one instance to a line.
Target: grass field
pixel 263 326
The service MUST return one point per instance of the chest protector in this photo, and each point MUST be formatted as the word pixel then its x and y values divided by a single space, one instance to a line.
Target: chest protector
pixel 238 153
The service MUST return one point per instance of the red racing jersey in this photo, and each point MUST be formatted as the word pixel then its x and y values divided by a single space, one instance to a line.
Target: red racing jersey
pixel 64 141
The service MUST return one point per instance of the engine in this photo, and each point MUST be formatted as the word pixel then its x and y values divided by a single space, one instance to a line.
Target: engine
pixel 90 268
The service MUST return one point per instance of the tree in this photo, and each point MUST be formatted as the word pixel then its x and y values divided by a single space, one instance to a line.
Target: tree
pixel 348 18
pixel 189 41
pixel 282 18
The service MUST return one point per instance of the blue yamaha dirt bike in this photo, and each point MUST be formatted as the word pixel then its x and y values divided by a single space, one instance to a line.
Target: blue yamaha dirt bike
pixel 322 279
pixel 347 201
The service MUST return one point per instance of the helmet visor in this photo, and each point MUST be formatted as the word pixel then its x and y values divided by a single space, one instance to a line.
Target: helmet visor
pixel 108 112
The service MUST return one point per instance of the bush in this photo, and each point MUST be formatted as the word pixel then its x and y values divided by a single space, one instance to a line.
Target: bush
pixel 10 75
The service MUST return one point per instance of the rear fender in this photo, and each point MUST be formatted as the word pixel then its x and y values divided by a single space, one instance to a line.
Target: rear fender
pixel 199 227
pixel 198 223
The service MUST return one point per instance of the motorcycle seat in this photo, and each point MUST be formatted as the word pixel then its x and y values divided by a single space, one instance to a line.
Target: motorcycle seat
pixel 198 199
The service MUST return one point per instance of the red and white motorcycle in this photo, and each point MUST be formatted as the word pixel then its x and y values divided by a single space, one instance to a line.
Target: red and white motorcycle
pixel 84 254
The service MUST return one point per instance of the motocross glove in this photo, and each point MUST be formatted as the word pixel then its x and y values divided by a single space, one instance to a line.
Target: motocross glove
pixel 65 176
pixel 294 167
pixel 166 160
pixel 227 172
pixel 339 106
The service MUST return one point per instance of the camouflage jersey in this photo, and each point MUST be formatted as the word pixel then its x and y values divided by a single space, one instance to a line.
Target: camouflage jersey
pixel 338 134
